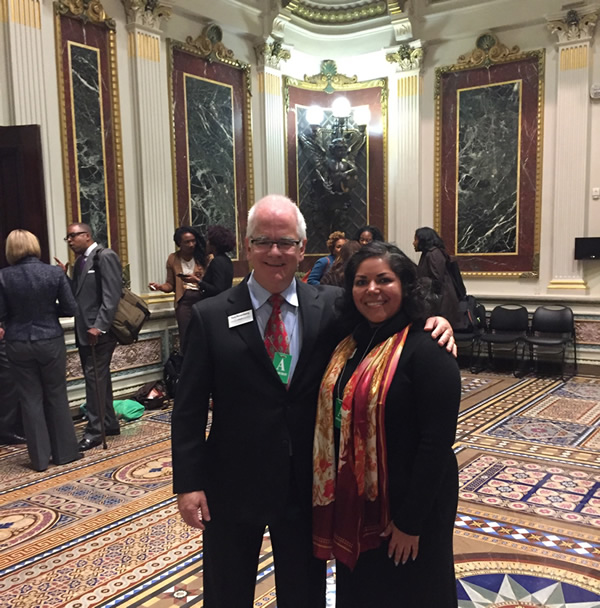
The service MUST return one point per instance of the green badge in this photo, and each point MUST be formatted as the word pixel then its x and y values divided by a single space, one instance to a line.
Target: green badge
pixel 337 420
pixel 282 362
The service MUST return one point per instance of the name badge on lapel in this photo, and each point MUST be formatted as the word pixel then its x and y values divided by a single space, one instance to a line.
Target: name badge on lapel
pixel 240 318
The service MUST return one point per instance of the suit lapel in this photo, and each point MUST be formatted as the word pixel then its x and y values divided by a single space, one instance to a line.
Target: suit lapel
pixel 239 301
pixel 89 263
pixel 310 317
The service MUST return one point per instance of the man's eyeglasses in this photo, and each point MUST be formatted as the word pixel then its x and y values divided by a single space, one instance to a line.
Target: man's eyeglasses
pixel 72 235
pixel 264 244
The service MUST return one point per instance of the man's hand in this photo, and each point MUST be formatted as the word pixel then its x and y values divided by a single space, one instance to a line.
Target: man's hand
pixel 401 546
pixel 92 334
pixel 1 333
pixel 193 507
pixel 63 267
pixel 442 330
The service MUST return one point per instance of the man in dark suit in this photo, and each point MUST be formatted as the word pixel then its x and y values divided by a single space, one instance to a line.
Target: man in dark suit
pixel 255 468
pixel 97 300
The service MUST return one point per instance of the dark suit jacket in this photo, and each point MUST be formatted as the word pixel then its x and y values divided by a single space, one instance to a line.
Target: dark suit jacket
pixel 262 433
pixel 96 309
pixel 33 295
pixel 218 277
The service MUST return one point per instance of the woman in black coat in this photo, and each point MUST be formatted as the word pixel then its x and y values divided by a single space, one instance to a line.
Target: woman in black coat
pixel 385 477
pixel 434 264
pixel 219 274
pixel 33 295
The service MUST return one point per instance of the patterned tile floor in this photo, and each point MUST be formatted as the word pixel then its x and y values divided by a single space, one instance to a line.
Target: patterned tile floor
pixel 104 531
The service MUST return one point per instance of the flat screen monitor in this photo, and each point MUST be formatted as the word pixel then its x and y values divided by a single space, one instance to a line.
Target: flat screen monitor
pixel 587 248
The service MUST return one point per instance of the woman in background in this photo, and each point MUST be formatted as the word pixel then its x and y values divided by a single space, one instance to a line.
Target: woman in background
pixel 385 478
pixel 433 264
pixel 185 268
pixel 219 274
pixel 33 295
pixel 334 244
pixel 335 275
pixel 367 234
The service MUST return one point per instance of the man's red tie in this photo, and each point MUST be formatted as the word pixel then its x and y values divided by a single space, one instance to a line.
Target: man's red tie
pixel 276 338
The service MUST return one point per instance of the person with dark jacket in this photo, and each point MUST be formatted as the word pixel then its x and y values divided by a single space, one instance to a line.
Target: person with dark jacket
pixel 219 274
pixel 385 478
pixel 97 283
pixel 33 295
pixel 434 264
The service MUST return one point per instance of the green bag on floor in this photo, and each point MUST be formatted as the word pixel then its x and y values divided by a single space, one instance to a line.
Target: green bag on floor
pixel 128 409
pixel 125 409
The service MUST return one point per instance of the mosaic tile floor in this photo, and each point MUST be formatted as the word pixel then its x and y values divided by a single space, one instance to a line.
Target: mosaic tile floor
pixel 104 531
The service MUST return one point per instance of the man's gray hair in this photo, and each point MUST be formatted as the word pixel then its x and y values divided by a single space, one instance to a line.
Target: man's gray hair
pixel 280 201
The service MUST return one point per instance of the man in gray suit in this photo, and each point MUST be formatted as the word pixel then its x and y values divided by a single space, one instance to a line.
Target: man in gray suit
pixel 97 281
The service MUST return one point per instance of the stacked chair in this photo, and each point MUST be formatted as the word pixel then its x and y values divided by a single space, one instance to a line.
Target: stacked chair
pixel 507 328
pixel 552 331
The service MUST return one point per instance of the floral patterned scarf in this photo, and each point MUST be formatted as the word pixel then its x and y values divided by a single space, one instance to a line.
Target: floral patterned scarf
pixel 351 509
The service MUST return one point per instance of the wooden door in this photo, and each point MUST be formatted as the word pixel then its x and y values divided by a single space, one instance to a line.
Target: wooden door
pixel 22 194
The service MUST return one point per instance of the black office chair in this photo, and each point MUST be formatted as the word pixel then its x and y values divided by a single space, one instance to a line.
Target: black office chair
pixel 471 337
pixel 552 330
pixel 507 327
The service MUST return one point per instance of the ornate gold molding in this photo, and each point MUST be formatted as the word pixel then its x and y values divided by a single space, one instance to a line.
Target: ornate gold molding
pixel 488 49
pixel 406 57
pixel 327 79
pixel 87 10
pixel 567 284
pixel 209 45
pixel 574 28
pixel 339 16
pixel 149 13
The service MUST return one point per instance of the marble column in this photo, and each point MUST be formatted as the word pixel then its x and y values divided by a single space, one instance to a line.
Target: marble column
pixel 574 32
pixel 24 64
pixel 270 103
pixel 404 146
pixel 147 56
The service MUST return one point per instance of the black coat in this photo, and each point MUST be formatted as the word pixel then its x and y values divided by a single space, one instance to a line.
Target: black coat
pixel 33 295
pixel 433 264
pixel 262 433
pixel 421 413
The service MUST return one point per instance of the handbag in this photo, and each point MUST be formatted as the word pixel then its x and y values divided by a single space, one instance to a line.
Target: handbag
pixel 131 313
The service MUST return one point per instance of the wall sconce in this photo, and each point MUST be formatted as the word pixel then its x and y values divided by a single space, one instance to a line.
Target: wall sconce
pixel 335 137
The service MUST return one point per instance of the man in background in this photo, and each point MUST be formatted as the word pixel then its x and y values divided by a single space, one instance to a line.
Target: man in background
pixel 97 281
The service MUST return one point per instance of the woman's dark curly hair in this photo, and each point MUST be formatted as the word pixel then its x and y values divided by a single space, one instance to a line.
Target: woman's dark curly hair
pixel 428 238
pixel 221 238
pixel 418 299
pixel 375 233
pixel 200 250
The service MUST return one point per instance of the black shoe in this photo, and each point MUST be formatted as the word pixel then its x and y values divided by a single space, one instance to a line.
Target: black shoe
pixel 11 439
pixel 110 432
pixel 87 444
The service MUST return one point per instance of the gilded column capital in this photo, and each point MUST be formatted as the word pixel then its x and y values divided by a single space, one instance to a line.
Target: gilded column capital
pixel 148 13
pixel 270 53
pixel 574 27
pixel 408 57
